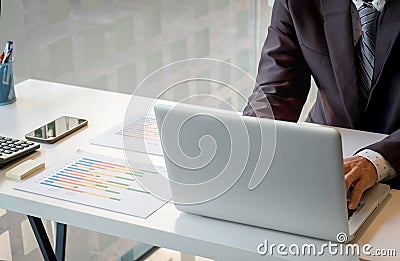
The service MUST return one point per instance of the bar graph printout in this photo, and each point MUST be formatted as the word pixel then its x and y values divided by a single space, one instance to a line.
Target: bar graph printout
pixel 141 134
pixel 98 181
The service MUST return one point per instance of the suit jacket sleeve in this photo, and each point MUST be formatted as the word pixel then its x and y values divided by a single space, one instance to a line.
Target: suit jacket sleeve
pixel 283 78
pixel 388 148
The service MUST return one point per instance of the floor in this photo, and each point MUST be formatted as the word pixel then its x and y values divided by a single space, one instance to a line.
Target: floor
pixel 114 45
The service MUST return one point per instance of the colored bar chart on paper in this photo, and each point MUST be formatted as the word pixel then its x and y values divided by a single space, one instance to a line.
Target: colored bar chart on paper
pixel 98 181
pixel 140 135
pixel 143 127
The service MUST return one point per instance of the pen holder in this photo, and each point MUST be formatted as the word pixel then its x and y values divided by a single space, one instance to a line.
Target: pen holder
pixel 7 92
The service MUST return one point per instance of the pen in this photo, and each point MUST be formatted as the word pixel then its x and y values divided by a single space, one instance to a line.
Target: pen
pixel 8 47
pixel 7 56
pixel 3 53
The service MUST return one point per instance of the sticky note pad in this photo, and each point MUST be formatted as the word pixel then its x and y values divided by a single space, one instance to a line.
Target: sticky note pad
pixel 25 169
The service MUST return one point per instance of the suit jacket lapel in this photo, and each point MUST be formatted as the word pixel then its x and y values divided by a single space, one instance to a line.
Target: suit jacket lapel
pixel 388 31
pixel 339 38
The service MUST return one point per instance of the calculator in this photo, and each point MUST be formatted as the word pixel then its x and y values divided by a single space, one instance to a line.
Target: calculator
pixel 11 148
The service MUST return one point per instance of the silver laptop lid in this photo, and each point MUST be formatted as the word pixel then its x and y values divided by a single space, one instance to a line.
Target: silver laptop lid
pixel 260 172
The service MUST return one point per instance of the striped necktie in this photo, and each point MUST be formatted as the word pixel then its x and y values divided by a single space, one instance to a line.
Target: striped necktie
pixel 366 48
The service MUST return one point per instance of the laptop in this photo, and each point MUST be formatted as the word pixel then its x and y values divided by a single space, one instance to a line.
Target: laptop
pixel 266 173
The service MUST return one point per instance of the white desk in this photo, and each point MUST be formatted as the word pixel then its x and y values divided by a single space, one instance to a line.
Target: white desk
pixel 38 102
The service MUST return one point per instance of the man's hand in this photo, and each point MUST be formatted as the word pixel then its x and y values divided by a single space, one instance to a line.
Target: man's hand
pixel 360 173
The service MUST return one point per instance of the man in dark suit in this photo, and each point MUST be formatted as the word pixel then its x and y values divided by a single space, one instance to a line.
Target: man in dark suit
pixel 351 48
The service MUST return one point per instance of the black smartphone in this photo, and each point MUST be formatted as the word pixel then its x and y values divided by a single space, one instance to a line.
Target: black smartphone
pixel 57 129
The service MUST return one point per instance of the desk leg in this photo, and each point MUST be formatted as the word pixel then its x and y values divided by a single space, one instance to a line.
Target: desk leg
pixel 44 242
pixel 61 238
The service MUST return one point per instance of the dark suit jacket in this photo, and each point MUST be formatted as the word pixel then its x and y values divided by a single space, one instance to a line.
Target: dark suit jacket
pixel 314 37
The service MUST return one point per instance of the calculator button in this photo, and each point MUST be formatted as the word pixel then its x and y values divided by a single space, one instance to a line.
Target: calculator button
pixel 12 148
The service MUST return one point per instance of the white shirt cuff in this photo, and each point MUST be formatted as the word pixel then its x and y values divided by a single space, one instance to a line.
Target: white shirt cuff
pixel 383 167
